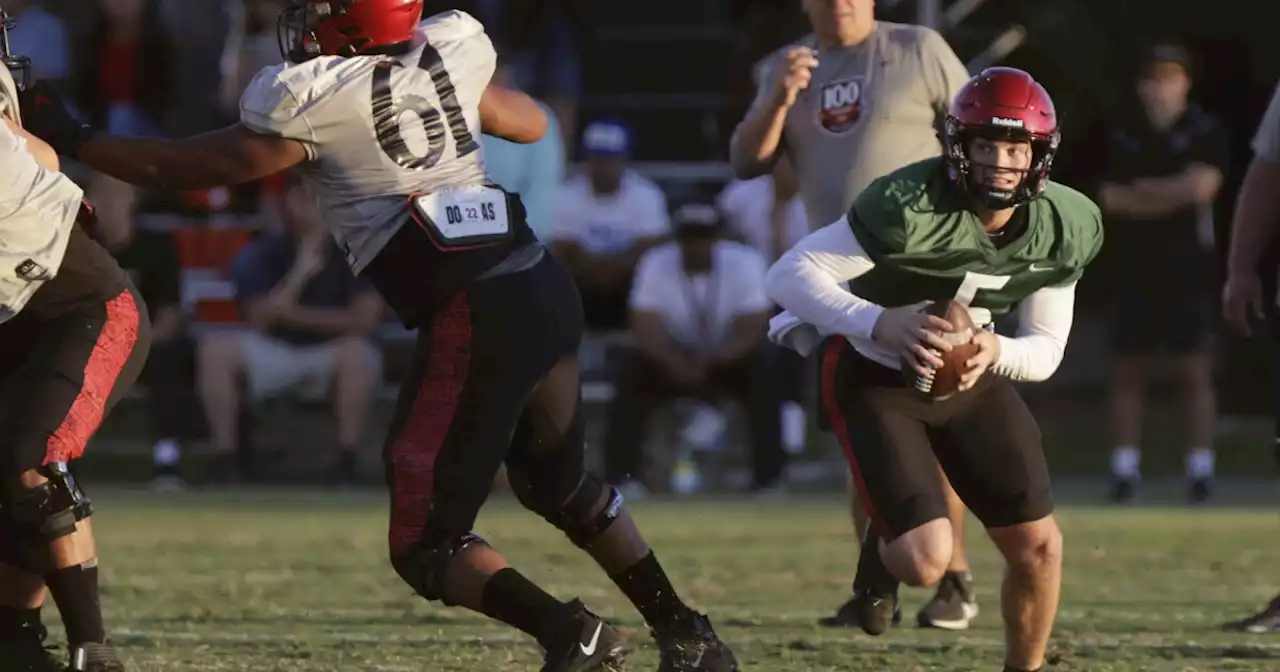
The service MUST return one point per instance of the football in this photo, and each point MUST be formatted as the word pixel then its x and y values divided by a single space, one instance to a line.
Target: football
pixel 945 381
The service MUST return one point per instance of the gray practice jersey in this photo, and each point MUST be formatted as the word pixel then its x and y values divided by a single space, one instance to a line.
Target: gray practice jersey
pixel 869 110
pixel 38 207
pixel 1266 142
pixel 379 129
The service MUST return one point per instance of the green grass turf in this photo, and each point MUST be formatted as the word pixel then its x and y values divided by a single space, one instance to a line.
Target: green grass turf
pixel 294 580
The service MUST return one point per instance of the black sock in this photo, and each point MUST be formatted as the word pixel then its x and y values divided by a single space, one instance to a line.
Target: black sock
pixel 18 623
pixel 649 589
pixel 872 575
pixel 511 598
pixel 75 591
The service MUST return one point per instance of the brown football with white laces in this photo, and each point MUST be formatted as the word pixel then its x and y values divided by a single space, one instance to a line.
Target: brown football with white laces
pixel 944 381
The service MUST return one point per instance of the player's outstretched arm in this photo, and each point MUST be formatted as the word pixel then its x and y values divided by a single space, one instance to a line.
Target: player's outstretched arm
pixel 511 115
pixel 1044 324
pixel 232 155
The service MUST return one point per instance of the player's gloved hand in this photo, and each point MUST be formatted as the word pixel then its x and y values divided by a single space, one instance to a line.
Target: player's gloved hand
pixel 913 334
pixel 988 352
pixel 793 75
pixel 45 114
pixel 1242 301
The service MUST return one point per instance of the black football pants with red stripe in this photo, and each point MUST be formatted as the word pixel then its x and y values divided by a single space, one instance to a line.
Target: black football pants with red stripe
pixel 60 376
pixel 894 438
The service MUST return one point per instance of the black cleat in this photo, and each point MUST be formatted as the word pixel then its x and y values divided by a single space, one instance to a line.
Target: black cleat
pixel 875 590
pixel 1199 490
pixel 953 607
pixel 94 658
pixel 697 649
pixel 589 645
pixel 1263 622
pixel 1123 490
pixel 28 655
pixel 847 615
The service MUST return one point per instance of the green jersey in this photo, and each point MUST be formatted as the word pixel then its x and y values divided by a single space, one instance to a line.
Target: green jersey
pixel 928 245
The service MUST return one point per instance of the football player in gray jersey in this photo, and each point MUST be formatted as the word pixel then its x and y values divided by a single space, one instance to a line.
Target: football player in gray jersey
pixel 72 339
pixel 380 111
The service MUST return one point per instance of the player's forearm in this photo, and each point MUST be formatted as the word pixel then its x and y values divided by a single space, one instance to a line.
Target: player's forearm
pixel 155 163
pixel 1256 217
pixel 809 282
pixel 756 141
pixel 1044 324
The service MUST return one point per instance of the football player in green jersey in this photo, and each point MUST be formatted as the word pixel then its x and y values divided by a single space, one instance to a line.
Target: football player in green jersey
pixel 984 226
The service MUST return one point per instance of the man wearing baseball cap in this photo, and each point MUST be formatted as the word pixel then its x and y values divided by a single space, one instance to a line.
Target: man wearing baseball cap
pixel 1164 166
pixel 606 218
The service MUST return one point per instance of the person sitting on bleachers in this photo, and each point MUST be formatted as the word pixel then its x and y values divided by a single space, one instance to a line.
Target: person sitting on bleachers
pixel 699 315
pixel 309 327
pixel 605 219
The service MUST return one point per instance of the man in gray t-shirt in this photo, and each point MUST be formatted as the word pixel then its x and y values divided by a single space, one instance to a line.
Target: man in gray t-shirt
pixel 1253 231
pixel 852 101
pixel 855 100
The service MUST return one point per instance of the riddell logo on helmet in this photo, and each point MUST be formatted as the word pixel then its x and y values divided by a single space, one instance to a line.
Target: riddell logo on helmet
pixel 1006 122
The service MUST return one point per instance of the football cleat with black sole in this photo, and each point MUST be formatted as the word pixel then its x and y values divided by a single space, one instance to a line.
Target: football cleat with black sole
pixel 94 658
pixel 695 649
pixel 589 645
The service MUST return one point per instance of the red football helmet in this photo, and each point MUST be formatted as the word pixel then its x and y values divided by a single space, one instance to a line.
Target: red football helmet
pixel 310 28
pixel 1002 104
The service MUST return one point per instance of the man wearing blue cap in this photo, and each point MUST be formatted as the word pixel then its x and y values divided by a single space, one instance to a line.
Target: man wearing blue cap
pixel 606 218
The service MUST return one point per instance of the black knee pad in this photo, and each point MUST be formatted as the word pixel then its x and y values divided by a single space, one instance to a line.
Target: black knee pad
pixel 48 511
pixel 576 515
pixel 424 567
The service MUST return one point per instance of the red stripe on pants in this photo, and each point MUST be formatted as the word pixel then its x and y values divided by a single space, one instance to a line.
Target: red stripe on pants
pixel 414 451
pixel 832 351
pixel 110 353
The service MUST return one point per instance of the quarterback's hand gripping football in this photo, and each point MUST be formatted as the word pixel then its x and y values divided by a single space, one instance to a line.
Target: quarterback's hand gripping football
pixel 913 334
pixel 988 352
pixel 45 114
pixel 793 75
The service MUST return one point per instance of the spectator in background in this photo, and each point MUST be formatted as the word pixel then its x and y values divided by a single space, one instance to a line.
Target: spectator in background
pixel 309 327
pixel 124 79
pixel 1163 172
pixel 40 36
pixel 767 213
pixel 534 171
pixel 151 259
pixel 855 100
pixel 605 220
pixel 699 315
pixel 547 38
pixel 252 44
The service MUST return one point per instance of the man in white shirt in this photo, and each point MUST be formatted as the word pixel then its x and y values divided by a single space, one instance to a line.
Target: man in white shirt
pixel 699 315
pixel 605 220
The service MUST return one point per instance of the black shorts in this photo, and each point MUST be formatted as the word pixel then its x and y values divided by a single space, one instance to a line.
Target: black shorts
pixel 1145 322
pixel 60 376
pixel 477 361
pixel 894 438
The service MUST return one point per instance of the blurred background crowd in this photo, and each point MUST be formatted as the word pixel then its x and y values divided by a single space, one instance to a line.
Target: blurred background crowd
pixel 633 191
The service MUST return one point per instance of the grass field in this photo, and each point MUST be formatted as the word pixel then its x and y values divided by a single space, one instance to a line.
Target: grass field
pixel 294 580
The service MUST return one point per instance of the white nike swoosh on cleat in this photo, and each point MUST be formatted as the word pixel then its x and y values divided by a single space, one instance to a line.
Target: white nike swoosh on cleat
pixel 590 647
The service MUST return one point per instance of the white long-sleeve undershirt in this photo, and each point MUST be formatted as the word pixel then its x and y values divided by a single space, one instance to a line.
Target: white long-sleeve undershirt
pixel 809 283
